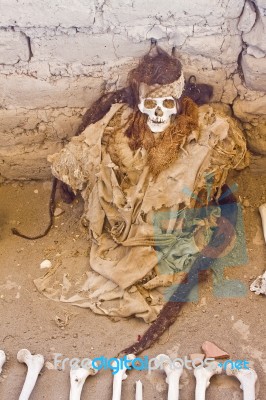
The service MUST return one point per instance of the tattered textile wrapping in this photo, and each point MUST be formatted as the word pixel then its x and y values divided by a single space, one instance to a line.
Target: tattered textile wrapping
pixel 141 240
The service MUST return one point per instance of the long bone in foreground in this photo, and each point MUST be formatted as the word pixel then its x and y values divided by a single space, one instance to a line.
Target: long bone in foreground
pixel 173 371
pixel 77 379
pixel 262 210
pixel 118 378
pixel 34 364
pixel 203 376
pixel 247 378
pixel 2 359
pixel 139 391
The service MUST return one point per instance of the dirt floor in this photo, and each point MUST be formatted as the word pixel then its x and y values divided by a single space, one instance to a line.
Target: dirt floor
pixel 29 320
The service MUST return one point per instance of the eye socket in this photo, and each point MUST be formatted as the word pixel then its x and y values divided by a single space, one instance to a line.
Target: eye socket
pixel 149 103
pixel 169 103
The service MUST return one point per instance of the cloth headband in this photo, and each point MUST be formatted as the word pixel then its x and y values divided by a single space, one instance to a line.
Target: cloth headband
pixel 173 89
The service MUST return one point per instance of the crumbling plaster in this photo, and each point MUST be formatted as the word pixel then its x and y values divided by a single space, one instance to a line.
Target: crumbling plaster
pixel 57 57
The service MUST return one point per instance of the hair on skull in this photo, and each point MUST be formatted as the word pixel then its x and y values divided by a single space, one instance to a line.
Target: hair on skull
pixel 156 67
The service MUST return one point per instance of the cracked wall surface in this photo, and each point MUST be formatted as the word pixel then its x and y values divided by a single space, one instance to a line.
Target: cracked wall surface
pixel 57 57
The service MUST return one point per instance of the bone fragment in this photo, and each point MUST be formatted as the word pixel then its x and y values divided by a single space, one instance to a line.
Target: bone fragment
pixel 262 210
pixel 34 364
pixel 173 371
pixel 139 391
pixel 118 378
pixel 203 376
pixel 2 359
pixel 247 379
pixel 77 379
pixel 259 285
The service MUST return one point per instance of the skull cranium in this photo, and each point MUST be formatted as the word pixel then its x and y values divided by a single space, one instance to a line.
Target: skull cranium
pixel 159 111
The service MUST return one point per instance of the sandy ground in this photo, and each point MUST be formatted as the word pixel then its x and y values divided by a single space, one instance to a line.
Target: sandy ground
pixel 28 320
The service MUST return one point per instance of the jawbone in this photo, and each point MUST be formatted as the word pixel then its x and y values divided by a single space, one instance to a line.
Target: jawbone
pixel 158 126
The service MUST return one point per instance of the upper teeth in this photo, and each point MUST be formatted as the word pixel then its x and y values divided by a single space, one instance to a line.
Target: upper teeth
pixel 158 120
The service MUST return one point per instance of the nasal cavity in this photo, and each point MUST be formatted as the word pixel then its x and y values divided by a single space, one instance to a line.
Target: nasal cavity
pixel 158 112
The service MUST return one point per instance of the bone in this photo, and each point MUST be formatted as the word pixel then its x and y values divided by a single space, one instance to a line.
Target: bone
pixel 262 210
pixel 247 378
pixel 203 376
pixel 259 285
pixel 139 390
pixel 34 364
pixel 173 373
pixel 2 359
pixel 118 378
pixel 77 379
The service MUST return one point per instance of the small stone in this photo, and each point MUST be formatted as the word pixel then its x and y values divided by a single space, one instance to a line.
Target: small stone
pixel 246 203
pixel 212 351
pixel 49 365
pixel 45 264
pixel 58 211
pixel 197 358
pixel 36 191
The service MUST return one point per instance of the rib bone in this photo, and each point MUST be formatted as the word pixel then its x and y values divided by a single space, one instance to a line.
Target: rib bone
pixel 173 373
pixel 118 378
pixel 2 359
pixel 34 364
pixel 203 376
pixel 247 378
pixel 262 210
pixel 77 379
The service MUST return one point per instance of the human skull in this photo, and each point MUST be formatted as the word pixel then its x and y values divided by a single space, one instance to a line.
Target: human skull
pixel 159 111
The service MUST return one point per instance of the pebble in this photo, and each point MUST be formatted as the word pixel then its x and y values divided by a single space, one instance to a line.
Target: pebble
pixel 46 264
pixel 49 365
pixel 58 211
pixel 36 191
pixel 246 203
